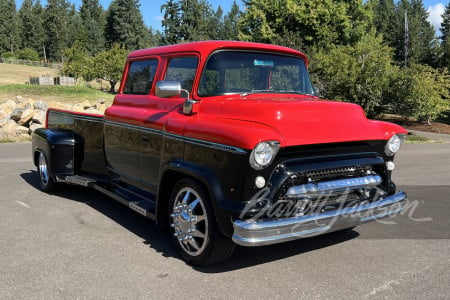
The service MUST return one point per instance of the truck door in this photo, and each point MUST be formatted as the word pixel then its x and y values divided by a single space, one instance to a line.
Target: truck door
pixel 164 121
pixel 123 131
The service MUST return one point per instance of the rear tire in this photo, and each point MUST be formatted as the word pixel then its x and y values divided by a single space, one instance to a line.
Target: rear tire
pixel 194 228
pixel 46 182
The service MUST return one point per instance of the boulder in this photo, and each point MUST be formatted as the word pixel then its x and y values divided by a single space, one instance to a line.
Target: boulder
pixel 35 126
pixel 58 105
pixel 8 107
pixel 93 111
pixel 17 114
pixel 3 122
pixel 101 107
pixel 39 117
pixel 22 131
pixel 9 129
pixel 27 115
pixel 19 99
pixel 78 108
pixel 85 104
pixel 40 105
pixel 2 114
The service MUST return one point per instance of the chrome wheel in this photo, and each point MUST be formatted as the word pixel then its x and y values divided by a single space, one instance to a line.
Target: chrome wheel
pixel 190 221
pixel 43 169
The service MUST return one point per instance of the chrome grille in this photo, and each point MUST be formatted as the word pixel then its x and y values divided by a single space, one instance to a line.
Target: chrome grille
pixel 317 175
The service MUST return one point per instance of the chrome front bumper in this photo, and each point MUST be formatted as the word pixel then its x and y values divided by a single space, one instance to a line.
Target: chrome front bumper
pixel 271 231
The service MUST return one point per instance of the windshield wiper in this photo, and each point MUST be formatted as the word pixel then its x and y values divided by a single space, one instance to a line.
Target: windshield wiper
pixel 257 92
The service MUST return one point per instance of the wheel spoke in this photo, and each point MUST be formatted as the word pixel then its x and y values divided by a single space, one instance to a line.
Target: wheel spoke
pixel 193 244
pixel 186 197
pixel 194 203
pixel 199 218
pixel 198 234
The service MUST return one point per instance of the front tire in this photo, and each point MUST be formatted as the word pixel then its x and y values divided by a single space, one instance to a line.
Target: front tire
pixel 46 182
pixel 193 226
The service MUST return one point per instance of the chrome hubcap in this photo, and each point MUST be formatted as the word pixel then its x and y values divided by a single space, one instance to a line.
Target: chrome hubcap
pixel 43 169
pixel 189 221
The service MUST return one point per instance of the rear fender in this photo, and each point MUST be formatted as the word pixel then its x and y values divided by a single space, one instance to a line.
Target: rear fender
pixel 62 148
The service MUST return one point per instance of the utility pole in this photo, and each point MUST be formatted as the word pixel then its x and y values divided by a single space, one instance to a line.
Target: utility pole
pixel 406 39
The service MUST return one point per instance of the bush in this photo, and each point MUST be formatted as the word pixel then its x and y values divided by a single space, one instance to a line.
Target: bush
pixel 421 92
pixel 28 54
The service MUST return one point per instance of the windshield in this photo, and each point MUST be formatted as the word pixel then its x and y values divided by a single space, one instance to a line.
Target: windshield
pixel 238 72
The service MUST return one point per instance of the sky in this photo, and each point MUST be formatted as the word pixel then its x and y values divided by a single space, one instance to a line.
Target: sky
pixel 151 9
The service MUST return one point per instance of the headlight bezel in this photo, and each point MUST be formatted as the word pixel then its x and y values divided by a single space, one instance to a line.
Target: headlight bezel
pixel 263 154
pixel 394 144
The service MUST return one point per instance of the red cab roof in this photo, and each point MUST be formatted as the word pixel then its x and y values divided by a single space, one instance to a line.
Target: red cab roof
pixel 206 47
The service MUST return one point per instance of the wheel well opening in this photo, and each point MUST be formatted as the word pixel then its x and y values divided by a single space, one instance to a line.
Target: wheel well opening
pixel 168 182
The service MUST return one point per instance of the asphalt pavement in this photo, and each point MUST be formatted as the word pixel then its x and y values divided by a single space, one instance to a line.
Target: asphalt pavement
pixel 79 244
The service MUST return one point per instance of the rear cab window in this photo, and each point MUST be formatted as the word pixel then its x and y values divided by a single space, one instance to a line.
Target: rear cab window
pixel 140 77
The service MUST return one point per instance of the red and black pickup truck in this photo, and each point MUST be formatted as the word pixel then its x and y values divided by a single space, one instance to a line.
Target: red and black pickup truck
pixel 226 143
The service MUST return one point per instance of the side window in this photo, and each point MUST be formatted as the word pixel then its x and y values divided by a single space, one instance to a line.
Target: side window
pixel 182 69
pixel 140 77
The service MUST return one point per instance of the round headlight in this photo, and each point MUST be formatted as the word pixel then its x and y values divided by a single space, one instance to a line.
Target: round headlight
pixel 394 143
pixel 263 154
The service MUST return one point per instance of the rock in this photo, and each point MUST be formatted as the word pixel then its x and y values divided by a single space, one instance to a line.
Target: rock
pixel 58 105
pixel 93 111
pixel 35 126
pixel 9 129
pixel 101 107
pixel 27 115
pixel 17 114
pixel 78 108
pixel 2 114
pixel 19 99
pixel 8 107
pixel 101 101
pixel 40 105
pixel 85 104
pixel 3 122
pixel 39 117
pixel 22 130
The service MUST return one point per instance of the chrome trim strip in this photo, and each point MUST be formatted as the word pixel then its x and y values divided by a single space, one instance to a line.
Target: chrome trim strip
pixel 213 145
pixel 310 189
pixel 272 231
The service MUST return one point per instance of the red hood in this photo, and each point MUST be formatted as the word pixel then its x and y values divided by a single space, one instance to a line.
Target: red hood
pixel 303 121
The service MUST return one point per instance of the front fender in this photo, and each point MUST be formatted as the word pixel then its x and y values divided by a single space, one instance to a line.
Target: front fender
pixel 224 208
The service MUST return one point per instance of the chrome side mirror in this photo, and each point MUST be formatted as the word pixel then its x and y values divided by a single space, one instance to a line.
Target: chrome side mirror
pixel 166 88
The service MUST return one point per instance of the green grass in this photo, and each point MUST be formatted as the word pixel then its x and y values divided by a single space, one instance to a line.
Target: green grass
pixel 418 139
pixel 65 94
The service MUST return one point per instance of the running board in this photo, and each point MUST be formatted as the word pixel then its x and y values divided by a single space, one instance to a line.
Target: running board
pixel 132 199
pixel 80 180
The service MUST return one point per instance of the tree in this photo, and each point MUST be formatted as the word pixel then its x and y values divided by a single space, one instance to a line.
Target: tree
pixel 31 26
pixel 319 24
pixel 9 26
pixel 109 64
pixel 94 21
pixel 230 23
pixel 359 73
pixel 77 63
pixel 385 19
pixel 190 20
pixel 57 19
pixel 125 25
pixel 420 36
pixel 171 22
pixel 445 29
